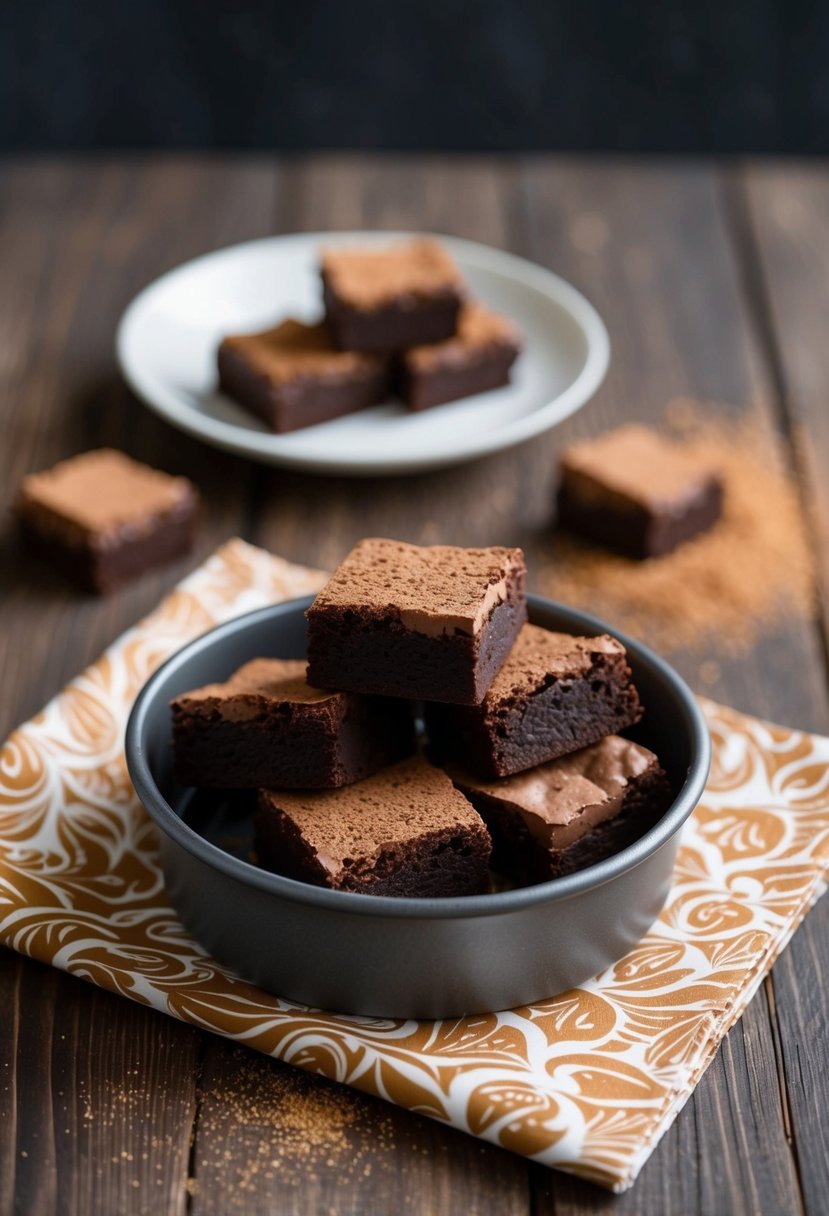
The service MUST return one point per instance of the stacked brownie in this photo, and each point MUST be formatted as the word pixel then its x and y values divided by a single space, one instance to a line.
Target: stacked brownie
pixel 396 319
pixel 527 771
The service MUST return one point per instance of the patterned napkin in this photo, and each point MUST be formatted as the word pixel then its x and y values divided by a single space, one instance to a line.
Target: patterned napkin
pixel 586 1082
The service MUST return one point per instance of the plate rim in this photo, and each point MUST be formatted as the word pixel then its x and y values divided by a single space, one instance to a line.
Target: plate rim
pixel 228 436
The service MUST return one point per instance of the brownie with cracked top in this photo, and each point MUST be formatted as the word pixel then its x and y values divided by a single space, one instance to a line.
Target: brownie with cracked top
pixel 572 812
pixel 267 726
pixel 293 376
pixel 405 831
pixel 102 518
pixel 478 358
pixel 554 694
pixel 385 299
pixel 432 623
pixel 636 492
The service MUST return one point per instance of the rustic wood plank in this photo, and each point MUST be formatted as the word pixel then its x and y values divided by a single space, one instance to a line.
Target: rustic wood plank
pixel 649 246
pixel 98 1098
pixel 11 967
pixel 274 1139
pixel 77 242
pixel 630 238
pixel 785 216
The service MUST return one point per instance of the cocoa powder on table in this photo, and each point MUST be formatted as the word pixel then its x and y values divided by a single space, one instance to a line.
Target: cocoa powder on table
pixel 722 590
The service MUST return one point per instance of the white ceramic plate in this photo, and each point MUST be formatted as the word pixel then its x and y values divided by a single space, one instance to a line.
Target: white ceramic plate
pixel 168 336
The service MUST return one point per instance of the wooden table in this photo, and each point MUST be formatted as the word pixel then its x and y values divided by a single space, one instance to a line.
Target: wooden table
pixel 714 282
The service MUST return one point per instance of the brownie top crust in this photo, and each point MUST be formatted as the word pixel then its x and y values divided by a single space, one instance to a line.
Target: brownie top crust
pixel 294 350
pixel 408 800
pixel 437 589
pixel 259 683
pixel 103 493
pixel 369 279
pixel 479 328
pixel 564 799
pixel 539 653
pixel 640 465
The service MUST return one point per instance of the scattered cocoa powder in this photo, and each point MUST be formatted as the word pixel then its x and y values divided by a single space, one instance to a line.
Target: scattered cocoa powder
pixel 720 591
pixel 282 1127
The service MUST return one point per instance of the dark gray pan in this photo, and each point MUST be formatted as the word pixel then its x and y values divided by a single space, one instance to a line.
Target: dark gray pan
pixel 388 957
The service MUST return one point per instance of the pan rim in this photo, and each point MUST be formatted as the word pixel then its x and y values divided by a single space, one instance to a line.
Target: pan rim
pixel 408 908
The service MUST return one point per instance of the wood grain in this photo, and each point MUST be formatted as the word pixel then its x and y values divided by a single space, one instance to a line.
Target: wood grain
pixel 786 215
pixel 77 243
pixel 673 263
pixel 631 238
pixel 272 1139
pixel 98 1098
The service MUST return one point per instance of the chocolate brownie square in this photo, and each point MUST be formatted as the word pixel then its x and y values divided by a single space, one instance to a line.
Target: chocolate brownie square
pixel 404 831
pixel 554 694
pixel 431 623
pixel 477 358
pixel 101 518
pixel 293 376
pixel 387 299
pixel 572 812
pixel 266 726
pixel 635 492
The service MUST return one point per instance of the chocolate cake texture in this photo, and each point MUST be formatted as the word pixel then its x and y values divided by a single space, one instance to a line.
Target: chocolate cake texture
pixel 405 831
pixel 293 376
pixel 101 518
pixel 477 358
pixel 432 622
pixel 572 812
pixel 390 298
pixel 266 726
pixel 635 492
pixel 554 694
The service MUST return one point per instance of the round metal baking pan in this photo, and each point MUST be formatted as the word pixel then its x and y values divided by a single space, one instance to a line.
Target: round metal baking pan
pixel 393 957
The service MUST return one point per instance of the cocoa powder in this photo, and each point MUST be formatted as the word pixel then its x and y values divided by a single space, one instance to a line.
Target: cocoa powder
pixel 722 590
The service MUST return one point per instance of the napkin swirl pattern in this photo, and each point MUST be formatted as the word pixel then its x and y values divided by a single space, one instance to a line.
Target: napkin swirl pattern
pixel 587 1081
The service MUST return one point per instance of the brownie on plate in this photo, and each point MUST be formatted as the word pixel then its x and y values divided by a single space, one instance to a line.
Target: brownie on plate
pixel 635 492
pixel 101 518
pixel 391 298
pixel 477 358
pixel 293 376
pixel 572 812
pixel 266 726
pixel 404 831
pixel 434 623
pixel 554 694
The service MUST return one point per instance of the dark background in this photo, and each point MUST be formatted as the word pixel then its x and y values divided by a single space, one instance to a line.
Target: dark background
pixel 632 75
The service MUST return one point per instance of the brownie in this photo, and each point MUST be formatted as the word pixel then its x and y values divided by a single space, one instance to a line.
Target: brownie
pixel 101 518
pixel 388 299
pixel 637 493
pixel 554 694
pixel 266 726
pixel 477 358
pixel 404 831
pixel 293 376
pixel 571 812
pixel 434 623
